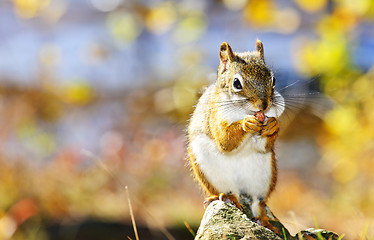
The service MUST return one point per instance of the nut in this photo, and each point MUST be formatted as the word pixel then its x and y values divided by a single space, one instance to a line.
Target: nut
pixel 260 116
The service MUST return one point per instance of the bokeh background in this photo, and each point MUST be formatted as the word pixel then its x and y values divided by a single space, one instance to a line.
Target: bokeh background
pixel 85 82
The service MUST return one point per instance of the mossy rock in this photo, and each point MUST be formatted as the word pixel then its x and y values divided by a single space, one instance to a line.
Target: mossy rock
pixel 225 221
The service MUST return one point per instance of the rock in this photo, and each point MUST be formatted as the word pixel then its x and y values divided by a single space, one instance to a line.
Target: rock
pixel 225 221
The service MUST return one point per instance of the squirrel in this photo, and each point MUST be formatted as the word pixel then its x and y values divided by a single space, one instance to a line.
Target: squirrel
pixel 232 131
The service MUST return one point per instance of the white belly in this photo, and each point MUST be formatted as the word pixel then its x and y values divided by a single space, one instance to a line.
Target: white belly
pixel 246 170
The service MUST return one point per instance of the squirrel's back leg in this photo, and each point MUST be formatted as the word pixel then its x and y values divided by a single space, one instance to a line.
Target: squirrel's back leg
pixel 199 176
pixel 209 189
pixel 225 198
pixel 261 217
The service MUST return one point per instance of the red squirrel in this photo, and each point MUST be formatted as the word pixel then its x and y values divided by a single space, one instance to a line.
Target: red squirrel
pixel 232 131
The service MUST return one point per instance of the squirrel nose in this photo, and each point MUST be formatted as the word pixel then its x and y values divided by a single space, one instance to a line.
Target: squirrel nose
pixel 262 105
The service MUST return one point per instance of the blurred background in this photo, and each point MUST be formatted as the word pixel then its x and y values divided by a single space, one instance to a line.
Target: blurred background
pixel 118 79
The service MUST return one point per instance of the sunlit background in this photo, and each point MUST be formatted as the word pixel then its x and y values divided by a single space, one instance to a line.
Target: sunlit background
pixel 85 82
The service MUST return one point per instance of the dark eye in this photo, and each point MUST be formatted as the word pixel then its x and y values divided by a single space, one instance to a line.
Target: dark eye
pixel 237 84
pixel 274 81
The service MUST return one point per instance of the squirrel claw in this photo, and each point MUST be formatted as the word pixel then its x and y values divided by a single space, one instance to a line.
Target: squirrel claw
pixel 206 203
pixel 231 199
pixel 267 224
pixel 209 200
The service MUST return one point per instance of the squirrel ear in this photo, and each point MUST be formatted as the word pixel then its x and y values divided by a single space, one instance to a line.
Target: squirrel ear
pixel 260 48
pixel 225 53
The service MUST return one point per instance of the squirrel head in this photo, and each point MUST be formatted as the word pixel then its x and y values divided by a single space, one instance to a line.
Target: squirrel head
pixel 245 75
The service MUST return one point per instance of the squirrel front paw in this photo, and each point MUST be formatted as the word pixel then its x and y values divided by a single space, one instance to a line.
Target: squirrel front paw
pixel 251 124
pixel 270 127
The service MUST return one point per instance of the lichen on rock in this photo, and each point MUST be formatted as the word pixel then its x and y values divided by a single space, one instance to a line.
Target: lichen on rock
pixel 225 221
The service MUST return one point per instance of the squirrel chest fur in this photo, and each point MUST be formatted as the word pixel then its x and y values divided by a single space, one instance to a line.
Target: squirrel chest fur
pixel 231 149
pixel 245 169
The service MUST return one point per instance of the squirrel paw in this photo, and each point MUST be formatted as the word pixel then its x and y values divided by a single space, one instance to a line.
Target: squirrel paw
pixel 251 124
pixel 231 199
pixel 267 224
pixel 209 200
pixel 270 127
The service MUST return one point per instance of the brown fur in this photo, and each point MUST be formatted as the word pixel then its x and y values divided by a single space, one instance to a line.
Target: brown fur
pixel 208 188
pixel 257 89
pixel 227 136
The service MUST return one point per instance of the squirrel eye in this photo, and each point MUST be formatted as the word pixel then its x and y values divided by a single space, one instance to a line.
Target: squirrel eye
pixel 237 84
pixel 274 81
